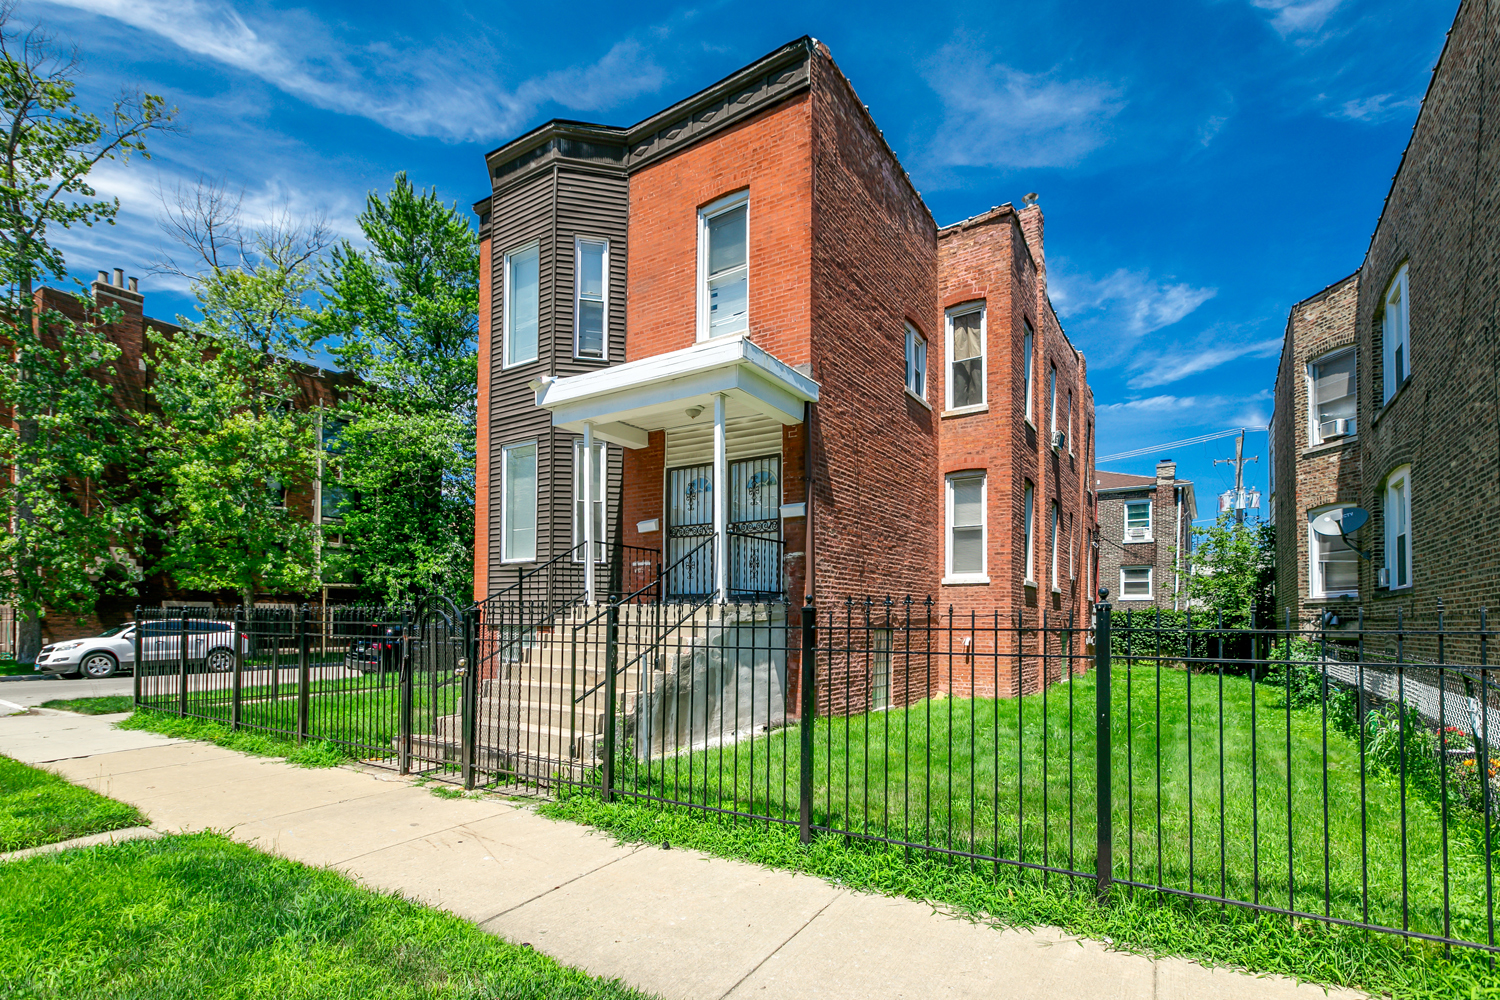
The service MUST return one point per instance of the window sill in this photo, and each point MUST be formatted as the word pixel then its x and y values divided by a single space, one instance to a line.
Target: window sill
pixel 919 399
pixel 1056 589
pixel 964 411
pixel 1331 598
pixel 960 581
pixel 1138 541
pixel 518 562
pixel 1339 445
pixel 1029 583
pixel 512 366
pixel 1384 592
pixel 1147 597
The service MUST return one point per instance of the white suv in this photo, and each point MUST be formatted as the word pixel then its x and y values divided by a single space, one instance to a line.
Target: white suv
pixel 210 646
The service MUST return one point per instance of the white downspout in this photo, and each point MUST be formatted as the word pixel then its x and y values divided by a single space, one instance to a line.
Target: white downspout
pixel 588 512
pixel 721 502
pixel 1177 549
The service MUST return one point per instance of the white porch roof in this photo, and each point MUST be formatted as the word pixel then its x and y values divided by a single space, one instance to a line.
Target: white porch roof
pixel 625 402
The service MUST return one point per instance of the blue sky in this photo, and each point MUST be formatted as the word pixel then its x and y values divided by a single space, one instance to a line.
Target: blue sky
pixel 1203 164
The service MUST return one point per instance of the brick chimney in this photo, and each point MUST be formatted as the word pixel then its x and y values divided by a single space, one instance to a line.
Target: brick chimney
pixel 1031 225
pixel 1166 471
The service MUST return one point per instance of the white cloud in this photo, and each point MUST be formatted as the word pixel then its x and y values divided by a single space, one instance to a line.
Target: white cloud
pixel 447 92
pixel 1137 422
pixel 996 115
pixel 1375 109
pixel 1299 17
pixel 1208 353
pixel 1128 304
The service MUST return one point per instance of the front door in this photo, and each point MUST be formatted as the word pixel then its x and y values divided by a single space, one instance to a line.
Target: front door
pixel 754 528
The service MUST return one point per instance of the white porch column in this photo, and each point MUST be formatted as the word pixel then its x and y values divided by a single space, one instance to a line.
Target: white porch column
pixel 589 570
pixel 721 502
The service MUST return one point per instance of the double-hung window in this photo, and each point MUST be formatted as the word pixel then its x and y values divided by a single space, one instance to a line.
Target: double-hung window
pixel 1055 514
pixel 1052 401
pixel 1028 340
pixel 591 297
pixel 1138 520
pixel 965 356
pixel 723 267
pixel 916 363
pixel 597 489
pixel 1070 421
pixel 1029 523
pixel 1395 334
pixel 518 494
pixel 522 304
pixel 966 527
pixel 1334 565
pixel 1398 548
pixel 1331 396
pixel 1135 583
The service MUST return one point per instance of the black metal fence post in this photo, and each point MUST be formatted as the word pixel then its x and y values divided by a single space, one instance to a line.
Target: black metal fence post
pixel 304 673
pixel 1103 751
pixel 182 661
pixel 809 711
pixel 403 722
pixel 136 669
pixel 611 651
pixel 468 671
pixel 237 682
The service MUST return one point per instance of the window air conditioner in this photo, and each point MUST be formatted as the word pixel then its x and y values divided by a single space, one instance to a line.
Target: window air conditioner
pixel 1382 577
pixel 1059 440
pixel 1337 428
pixel 1135 532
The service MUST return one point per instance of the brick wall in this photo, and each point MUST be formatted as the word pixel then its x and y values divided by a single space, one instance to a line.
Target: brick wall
pixel 1308 476
pixel 1168 553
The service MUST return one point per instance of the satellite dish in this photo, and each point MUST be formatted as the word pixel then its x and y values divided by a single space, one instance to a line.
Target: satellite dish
pixel 1340 521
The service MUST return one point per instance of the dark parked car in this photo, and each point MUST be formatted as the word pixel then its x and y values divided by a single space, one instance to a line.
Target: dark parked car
pixel 379 654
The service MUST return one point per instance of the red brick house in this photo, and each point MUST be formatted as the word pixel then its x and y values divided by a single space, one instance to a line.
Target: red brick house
pixel 1146 537
pixel 795 383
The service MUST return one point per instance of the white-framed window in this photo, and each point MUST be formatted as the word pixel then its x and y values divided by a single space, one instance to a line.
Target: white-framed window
pixel 1398 548
pixel 522 305
pixel 1028 339
pixel 1055 515
pixel 967 528
pixel 916 363
pixel 1052 399
pixel 724 267
pixel 1330 397
pixel 590 298
pixel 1333 567
pixel 518 496
pixel 601 455
pixel 1070 421
pixel 1028 521
pixel 1137 520
pixel 966 336
pixel 1395 333
pixel 1135 583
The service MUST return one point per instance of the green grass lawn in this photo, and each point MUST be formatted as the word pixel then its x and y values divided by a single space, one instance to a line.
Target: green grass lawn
pixel 107 705
pixel 186 917
pixel 37 807
pixel 9 667
pixel 1014 779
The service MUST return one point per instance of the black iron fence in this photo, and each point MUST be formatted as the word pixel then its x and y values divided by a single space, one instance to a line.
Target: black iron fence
pixel 1344 775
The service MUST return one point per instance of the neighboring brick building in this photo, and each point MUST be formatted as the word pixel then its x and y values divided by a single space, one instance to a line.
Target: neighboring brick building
pixel 746 289
pixel 1146 537
pixel 1315 454
pixel 129 379
pixel 1420 314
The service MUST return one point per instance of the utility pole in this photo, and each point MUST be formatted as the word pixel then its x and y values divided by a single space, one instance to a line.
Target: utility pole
pixel 1238 461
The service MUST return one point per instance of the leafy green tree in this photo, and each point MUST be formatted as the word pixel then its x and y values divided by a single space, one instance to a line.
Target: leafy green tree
pixel 403 316
pixel 57 553
pixel 225 437
pixel 1234 571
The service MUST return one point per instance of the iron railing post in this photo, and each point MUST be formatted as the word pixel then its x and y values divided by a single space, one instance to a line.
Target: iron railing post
pixel 237 681
pixel 182 661
pixel 403 723
pixel 468 670
pixel 304 674
pixel 611 652
pixel 1103 752
pixel 809 710
pixel 136 669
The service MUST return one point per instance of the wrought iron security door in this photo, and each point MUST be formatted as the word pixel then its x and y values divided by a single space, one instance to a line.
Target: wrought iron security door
pixel 754 528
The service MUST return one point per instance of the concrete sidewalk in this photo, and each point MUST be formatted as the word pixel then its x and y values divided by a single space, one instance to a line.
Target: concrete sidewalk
pixel 672 922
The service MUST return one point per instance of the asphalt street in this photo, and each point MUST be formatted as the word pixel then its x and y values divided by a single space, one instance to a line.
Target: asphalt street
pixel 16 695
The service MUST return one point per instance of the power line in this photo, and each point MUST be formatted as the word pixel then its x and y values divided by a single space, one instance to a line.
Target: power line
pixel 1157 448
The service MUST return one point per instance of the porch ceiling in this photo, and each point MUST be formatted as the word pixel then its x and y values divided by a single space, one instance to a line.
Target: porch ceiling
pixel 626 402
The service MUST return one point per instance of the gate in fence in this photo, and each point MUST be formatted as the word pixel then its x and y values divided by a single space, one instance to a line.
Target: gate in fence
pixel 1346 777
